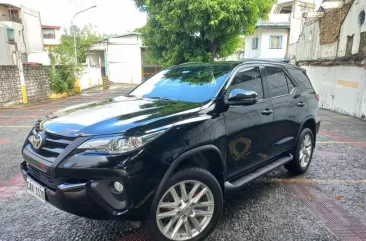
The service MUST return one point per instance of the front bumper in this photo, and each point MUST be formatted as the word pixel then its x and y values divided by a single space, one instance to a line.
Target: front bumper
pixel 91 198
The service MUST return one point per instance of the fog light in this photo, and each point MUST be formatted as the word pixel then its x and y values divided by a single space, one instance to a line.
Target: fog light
pixel 118 186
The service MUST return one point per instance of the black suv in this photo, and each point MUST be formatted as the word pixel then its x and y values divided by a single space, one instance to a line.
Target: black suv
pixel 169 150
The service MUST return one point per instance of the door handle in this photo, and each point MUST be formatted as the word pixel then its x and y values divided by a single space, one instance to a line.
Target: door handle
pixel 267 112
pixel 300 104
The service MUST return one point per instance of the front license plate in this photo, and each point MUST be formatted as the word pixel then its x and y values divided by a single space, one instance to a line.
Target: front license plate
pixel 36 190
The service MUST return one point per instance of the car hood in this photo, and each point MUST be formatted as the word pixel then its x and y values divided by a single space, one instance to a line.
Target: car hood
pixel 118 115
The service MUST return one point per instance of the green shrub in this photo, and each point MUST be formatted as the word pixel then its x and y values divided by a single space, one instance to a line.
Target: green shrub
pixel 57 84
pixel 67 74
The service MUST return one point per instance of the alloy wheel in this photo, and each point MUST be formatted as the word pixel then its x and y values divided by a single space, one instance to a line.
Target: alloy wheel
pixel 185 210
pixel 306 150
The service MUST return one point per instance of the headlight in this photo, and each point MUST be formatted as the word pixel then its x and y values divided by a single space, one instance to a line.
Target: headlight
pixel 119 144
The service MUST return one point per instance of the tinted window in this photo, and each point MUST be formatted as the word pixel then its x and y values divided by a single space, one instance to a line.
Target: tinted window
pixel 247 79
pixel 289 84
pixel 185 83
pixel 276 81
pixel 301 78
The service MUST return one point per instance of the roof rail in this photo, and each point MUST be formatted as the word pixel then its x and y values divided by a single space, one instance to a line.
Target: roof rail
pixel 191 63
pixel 285 60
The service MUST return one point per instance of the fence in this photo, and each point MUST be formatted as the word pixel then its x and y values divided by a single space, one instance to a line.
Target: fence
pixel 36 81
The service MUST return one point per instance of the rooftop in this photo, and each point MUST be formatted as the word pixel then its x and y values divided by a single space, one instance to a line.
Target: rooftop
pixel 121 35
pixel 8 5
pixel 51 27
pixel 270 24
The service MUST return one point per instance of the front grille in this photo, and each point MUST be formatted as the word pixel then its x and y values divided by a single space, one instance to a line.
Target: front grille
pixel 53 146
pixel 43 178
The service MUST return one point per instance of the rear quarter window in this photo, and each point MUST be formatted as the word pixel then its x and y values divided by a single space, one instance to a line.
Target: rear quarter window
pixel 301 79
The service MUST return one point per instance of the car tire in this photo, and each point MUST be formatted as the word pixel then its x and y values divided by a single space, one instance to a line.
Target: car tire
pixel 303 153
pixel 196 215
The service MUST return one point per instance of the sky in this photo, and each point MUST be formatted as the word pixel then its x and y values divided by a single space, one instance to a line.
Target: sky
pixel 110 16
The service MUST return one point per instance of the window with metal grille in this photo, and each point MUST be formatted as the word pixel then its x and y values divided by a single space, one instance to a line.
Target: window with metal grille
pixel 255 43
pixel 275 42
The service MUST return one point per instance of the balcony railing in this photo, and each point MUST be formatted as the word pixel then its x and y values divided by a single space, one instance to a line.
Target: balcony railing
pixel 11 18
pixel 49 36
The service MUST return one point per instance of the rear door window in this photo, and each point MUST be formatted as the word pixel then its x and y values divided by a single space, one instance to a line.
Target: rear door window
pixel 301 78
pixel 276 80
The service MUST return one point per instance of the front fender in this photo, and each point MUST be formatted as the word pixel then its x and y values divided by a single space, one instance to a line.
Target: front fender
pixel 179 160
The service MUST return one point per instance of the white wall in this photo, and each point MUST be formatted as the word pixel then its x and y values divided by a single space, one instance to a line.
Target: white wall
pixel 5 57
pixel 279 17
pixel 124 63
pixel 263 50
pixel 54 41
pixel 32 30
pixel 308 47
pixel 341 88
pixel 249 51
pixel 123 57
pixel 297 21
pixel 295 29
pixel 42 58
pixel 266 52
pixel 128 39
pixel 351 26
pixel 90 78
pixel 18 34
pixel 338 96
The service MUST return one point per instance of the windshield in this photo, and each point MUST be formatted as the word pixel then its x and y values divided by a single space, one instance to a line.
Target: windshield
pixel 185 83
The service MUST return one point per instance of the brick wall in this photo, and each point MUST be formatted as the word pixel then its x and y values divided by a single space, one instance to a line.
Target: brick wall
pixel 10 91
pixel 37 82
pixel 331 22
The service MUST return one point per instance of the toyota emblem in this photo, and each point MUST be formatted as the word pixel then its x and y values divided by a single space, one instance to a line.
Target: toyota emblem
pixel 38 140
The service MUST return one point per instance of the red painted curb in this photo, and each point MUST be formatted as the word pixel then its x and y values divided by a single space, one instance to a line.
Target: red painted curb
pixel 25 117
pixel 331 213
pixel 138 235
pixel 11 186
pixel 4 140
pixel 342 138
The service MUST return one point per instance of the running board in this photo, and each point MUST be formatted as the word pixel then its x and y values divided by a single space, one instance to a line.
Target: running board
pixel 236 184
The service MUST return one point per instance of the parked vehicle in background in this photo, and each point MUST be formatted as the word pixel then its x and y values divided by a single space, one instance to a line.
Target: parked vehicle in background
pixel 168 151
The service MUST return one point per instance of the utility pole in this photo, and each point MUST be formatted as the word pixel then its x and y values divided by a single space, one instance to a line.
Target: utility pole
pixel 73 23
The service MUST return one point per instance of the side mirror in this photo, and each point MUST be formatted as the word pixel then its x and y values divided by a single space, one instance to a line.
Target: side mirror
pixel 242 97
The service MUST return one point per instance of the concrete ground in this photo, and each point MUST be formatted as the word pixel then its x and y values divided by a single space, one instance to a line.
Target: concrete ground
pixel 326 203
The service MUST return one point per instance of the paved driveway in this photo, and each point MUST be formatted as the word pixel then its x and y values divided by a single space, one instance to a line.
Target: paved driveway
pixel 326 203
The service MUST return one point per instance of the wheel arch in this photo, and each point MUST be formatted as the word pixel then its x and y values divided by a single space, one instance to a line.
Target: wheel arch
pixel 308 122
pixel 190 158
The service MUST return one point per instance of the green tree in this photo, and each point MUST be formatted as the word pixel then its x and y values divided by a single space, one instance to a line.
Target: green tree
pixel 189 30
pixel 64 56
